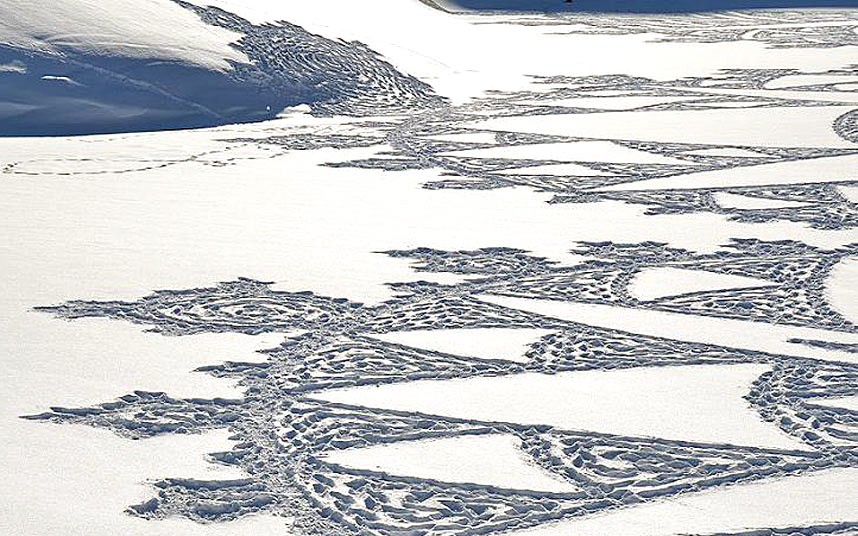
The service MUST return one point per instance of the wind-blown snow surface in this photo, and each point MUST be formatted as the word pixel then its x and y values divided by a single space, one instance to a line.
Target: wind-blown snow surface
pixel 144 29
pixel 595 275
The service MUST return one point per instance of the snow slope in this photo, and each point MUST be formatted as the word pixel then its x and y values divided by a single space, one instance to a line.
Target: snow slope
pixel 81 68
pixel 142 29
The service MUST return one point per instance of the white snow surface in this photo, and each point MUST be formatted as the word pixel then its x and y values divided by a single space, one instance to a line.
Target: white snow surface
pixel 485 343
pixel 585 151
pixel 79 221
pixel 559 170
pixel 146 29
pixel 744 202
pixel 660 282
pixel 846 402
pixel 849 192
pixel 842 288
pixel 607 102
pixel 732 152
pixel 457 459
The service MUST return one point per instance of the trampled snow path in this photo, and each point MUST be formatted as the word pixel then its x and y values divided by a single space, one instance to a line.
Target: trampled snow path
pixel 595 276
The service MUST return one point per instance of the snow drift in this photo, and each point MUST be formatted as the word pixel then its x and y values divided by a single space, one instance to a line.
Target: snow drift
pixel 183 66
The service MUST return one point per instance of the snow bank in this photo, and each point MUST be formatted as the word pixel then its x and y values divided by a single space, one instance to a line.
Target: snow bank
pixel 143 29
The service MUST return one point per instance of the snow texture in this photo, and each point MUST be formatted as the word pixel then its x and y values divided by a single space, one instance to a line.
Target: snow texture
pixel 593 275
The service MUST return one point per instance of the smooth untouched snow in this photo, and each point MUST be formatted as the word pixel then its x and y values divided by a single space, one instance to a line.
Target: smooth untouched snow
pixel 727 151
pixel 146 29
pixel 608 103
pixel 842 288
pixel 584 151
pixel 846 402
pixel 559 170
pixel 849 192
pixel 660 282
pixel 485 343
pixel 744 202
pixel 457 459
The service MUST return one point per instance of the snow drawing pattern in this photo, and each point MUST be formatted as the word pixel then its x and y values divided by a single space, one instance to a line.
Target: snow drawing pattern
pixel 821 205
pixel 780 28
pixel 285 429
